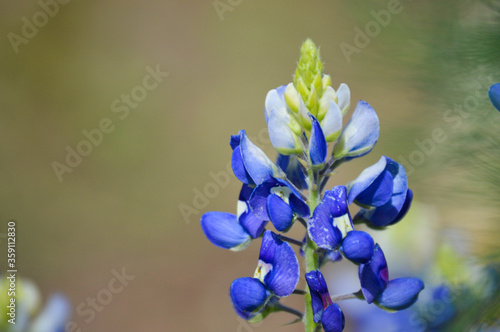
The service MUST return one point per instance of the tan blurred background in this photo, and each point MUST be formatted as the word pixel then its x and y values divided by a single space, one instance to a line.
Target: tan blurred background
pixel 121 206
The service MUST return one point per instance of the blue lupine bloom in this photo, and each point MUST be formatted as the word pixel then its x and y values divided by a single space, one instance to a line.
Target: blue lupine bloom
pixel 397 294
pixel 277 201
pixel 374 275
pixel 360 134
pixel 250 164
pixel 400 293
pixel 494 94
pixel 324 310
pixel 302 118
pixel 317 143
pixel 382 192
pixel 277 274
pixel 331 219
pixel 293 170
pixel 358 246
pixel 234 232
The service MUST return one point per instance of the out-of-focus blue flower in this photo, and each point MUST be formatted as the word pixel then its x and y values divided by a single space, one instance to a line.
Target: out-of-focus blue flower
pixel 277 201
pixel 277 274
pixel 374 275
pixel 250 164
pixel 294 173
pixel 494 94
pixel 360 134
pixel 234 232
pixel 324 310
pixel 54 315
pixel 357 246
pixel 382 192
pixel 317 143
pixel 400 293
pixel 331 219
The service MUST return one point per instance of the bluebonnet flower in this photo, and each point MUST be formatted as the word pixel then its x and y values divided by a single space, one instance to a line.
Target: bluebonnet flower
pixel 324 310
pixel 382 192
pixel 303 117
pixel 230 231
pixel 277 201
pixel 396 294
pixel 277 275
pixel 494 94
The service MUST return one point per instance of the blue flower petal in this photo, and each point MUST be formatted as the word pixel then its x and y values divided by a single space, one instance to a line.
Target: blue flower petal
pixel 374 275
pixel 360 134
pixel 284 140
pixel 494 94
pixel 280 213
pixel 278 266
pixel 320 297
pixel 224 230
pixel 299 207
pixel 321 228
pixel 405 208
pixel 235 141
pixel 238 166
pixel 248 296
pixel 400 293
pixel 358 247
pixel 257 164
pixel 365 179
pixel 389 213
pixel 54 315
pixel 252 224
pixel 336 199
pixel 333 319
pixel 290 164
pixel 317 143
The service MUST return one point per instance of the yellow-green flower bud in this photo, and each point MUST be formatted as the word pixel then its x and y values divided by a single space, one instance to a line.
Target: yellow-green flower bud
pixel 309 73
pixel 312 101
pixel 292 98
pixel 327 81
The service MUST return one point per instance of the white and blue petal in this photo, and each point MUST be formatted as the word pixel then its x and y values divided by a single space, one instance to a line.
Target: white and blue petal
pixel 360 134
pixel 284 140
pixel 257 164
pixel 329 95
pixel 400 293
pixel 317 143
pixel 374 275
pixel 224 230
pixel 249 296
pixel 290 164
pixel 322 230
pixel 278 266
pixel 494 94
pixel 358 246
pixel 332 122
pixel 275 100
pixel 344 98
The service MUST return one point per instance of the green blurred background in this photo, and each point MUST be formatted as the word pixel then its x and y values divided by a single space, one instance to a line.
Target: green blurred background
pixel 121 206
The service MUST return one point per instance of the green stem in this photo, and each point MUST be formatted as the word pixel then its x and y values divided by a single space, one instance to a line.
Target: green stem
pixel 312 259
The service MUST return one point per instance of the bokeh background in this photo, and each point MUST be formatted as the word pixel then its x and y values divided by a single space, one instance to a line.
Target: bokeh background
pixel 134 202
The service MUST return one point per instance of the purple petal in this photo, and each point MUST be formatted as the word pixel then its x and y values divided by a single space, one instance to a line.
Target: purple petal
pixel 320 297
pixel 333 319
